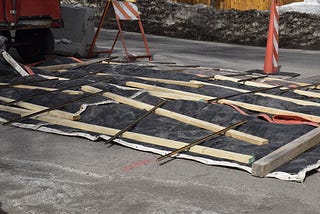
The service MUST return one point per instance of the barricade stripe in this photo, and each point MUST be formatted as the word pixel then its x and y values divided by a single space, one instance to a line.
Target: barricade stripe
pixel 275 44
pixel 133 8
pixel 119 15
pixel 276 24
pixel 277 12
pixel 126 8
pixel 275 62
pixel 275 56
pixel 122 15
pixel 272 52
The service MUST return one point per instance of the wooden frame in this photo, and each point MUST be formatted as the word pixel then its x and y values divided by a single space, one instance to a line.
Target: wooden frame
pixel 180 117
pixel 260 168
pixel 284 154
pixel 242 158
pixel 176 94
pixel 265 85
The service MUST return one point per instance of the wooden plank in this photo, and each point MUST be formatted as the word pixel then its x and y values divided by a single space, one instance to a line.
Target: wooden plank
pixel 176 94
pixel 173 82
pixel 286 81
pixel 158 88
pixel 288 99
pixel 265 85
pixel 286 153
pixel 249 83
pixel 180 117
pixel 242 158
pixel 13 63
pixel 172 96
pixel 31 87
pixel 306 85
pixel 53 68
pixel 248 106
pixel 270 110
pixel 53 77
pixel 35 108
pixel 166 81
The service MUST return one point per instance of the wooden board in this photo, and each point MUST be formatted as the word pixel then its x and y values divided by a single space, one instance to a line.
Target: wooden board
pixel 176 94
pixel 277 97
pixel 173 82
pixel 265 85
pixel 60 67
pixel 13 63
pixel 36 108
pixel 167 81
pixel 292 82
pixel 242 158
pixel 180 117
pixel 53 77
pixel 32 87
pixel 284 154
pixel 162 89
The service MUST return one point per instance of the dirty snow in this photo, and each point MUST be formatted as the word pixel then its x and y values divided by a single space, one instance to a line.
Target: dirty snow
pixel 308 6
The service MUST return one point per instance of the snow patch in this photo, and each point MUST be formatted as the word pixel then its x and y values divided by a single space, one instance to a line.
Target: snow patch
pixel 308 6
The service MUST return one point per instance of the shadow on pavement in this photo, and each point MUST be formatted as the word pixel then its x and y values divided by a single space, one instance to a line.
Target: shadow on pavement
pixel 2 211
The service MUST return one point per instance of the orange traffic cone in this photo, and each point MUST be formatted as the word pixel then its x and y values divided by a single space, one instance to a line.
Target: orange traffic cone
pixel 271 62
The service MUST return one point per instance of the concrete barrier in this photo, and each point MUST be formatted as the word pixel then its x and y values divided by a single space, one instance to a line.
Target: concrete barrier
pixel 74 39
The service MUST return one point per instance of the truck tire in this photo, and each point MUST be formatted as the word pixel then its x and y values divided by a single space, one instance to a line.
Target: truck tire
pixel 34 44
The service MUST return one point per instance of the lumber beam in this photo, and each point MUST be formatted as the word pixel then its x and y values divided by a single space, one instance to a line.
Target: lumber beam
pixel 294 82
pixel 180 117
pixel 284 154
pixel 265 85
pixel 162 89
pixel 176 94
pixel 166 81
pixel 53 77
pixel 270 110
pixel 173 82
pixel 172 96
pixel 63 67
pixel 32 87
pixel 277 97
pixel 35 108
pixel 242 158
pixel 13 63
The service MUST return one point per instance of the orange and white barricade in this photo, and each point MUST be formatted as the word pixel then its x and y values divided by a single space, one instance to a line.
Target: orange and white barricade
pixel 271 62
pixel 123 11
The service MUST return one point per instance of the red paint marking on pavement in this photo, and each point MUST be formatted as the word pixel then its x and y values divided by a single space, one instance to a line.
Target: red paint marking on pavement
pixel 136 165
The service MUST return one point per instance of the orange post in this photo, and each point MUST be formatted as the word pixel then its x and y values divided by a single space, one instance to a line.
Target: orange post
pixel 271 62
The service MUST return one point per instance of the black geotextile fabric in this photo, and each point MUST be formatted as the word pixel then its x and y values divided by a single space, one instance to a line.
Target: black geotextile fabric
pixel 118 116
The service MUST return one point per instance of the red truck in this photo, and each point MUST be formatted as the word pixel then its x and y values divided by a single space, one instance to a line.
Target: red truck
pixel 30 22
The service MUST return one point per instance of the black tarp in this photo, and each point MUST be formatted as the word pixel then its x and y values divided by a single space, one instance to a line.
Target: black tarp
pixel 118 116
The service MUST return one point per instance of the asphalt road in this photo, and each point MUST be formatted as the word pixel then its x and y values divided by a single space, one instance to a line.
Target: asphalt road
pixel 46 173
pixel 216 55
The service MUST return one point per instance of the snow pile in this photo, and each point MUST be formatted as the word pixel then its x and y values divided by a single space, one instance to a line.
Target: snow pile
pixel 308 6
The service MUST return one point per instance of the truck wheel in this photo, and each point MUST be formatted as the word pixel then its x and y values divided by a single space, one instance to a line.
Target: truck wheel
pixel 34 44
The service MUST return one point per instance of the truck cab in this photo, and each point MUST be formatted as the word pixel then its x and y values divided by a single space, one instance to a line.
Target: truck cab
pixel 27 23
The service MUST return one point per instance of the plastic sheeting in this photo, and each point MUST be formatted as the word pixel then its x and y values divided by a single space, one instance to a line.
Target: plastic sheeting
pixel 100 111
